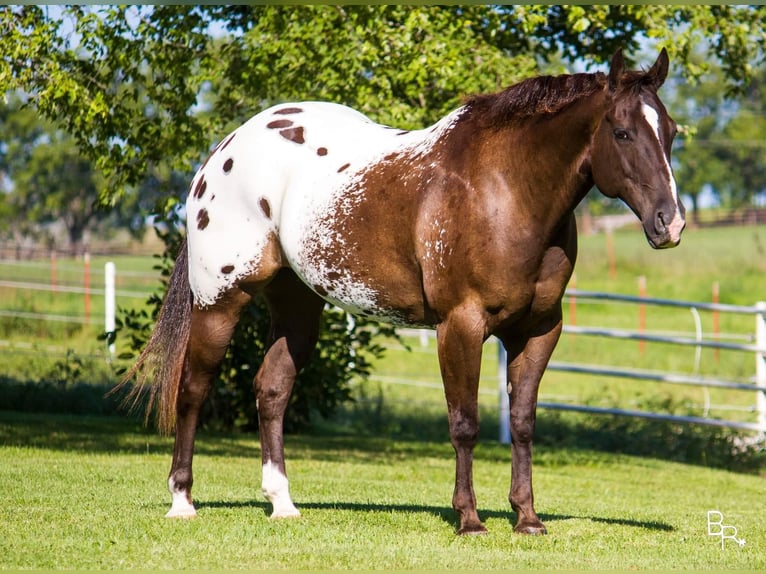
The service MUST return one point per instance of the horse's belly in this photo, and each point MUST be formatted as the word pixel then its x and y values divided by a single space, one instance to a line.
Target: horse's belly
pixel 372 282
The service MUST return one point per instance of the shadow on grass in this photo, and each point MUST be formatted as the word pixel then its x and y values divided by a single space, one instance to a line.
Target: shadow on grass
pixel 386 430
pixel 702 445
pixel 446 514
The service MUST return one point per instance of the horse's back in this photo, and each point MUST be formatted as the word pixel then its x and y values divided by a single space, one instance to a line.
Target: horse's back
pixel 265 183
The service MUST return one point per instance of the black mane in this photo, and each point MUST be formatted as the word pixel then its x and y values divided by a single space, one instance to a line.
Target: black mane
pixel 540 95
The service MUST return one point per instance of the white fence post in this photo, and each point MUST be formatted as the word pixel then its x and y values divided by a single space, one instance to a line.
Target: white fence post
pixel 760 367
pixel 109 302
pixel 502 394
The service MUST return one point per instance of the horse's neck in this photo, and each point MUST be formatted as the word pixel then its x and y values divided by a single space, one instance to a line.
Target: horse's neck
pixel 558 160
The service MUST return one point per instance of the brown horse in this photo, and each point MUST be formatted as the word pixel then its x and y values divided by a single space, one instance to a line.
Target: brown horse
pixel 466 226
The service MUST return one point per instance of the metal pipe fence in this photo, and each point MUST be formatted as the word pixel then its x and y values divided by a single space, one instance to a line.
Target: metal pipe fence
pixel 758 386
pixel 756 345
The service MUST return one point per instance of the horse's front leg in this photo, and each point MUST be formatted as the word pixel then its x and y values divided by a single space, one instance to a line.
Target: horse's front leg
pixel 460 339
pixel 527 360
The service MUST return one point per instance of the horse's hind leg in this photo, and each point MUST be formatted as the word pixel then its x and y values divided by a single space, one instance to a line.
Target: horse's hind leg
pixel 295 313
pixel 211 331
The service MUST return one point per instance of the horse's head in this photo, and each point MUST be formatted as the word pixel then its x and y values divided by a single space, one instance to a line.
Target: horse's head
pixel 631 151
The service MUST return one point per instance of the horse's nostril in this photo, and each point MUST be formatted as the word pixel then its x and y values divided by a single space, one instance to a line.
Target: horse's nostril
pixel 661 227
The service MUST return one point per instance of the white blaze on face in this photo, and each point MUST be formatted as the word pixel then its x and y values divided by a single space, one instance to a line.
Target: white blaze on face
pixel 653 119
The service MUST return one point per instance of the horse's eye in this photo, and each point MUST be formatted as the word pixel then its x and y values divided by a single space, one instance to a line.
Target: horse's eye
pixel 621 134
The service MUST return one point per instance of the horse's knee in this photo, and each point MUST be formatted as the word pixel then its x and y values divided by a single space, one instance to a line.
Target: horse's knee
pixel 522 429
pixel 464 429
pixel 272 399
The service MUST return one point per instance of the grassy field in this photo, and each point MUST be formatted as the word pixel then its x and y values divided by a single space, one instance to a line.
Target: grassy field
pixel 375 483
pixel 46 325
pixel 89 493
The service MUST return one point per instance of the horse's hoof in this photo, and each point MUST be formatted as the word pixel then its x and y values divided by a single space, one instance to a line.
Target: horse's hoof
pixel 531 529
pixel 285 514
pixel 186 513
pixel 472 530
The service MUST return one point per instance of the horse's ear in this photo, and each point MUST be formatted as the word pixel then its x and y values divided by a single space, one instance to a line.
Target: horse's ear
pixel 616 68
pixel 659 71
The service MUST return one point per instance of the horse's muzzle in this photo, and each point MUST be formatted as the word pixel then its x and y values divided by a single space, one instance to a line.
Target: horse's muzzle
pixel 663 231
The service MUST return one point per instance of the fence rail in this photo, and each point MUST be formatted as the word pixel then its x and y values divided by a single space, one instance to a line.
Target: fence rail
pixel 759 349
pixel 757 386
pixel 755 344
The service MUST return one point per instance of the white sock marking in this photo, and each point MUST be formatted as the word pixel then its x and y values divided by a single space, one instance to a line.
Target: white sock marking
pixel 276 490
pixel 181 507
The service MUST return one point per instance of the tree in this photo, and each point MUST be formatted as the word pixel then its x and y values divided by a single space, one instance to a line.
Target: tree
pixel 726 151
pixel 743 145
pixel 47 180
pixel 152 87
pixel 130 83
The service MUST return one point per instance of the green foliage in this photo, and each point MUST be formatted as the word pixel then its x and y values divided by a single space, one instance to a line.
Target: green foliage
pixel 145 86
pixel 48 180
pixel 68 370
pixel 725 149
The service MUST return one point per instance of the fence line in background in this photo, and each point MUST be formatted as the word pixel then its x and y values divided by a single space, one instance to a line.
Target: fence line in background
pixel 759 349
pixel 36 286
pixel 758 385
pixel 572 295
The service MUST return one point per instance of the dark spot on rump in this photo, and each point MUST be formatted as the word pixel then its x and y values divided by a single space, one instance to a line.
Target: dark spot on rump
pixel 293 134
pixel 277 124
pixel 404 133
pixel 344 167
pixel 265 207
pixel 228 141
pixel 203 219
pixel 227 165
pixel 199 190
pixel 389 157
pixel 322 151
pixel 320 290
pixel 333 275
pixel 286 111
pixel 226 269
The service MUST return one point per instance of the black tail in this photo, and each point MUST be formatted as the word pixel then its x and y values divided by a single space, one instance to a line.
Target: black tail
pixel 164 358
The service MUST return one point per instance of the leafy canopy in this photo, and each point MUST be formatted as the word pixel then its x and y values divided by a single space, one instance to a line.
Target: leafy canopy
pixel 142 86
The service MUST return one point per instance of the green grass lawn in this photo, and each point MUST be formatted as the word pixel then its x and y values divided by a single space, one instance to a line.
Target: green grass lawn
pixel 89 493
